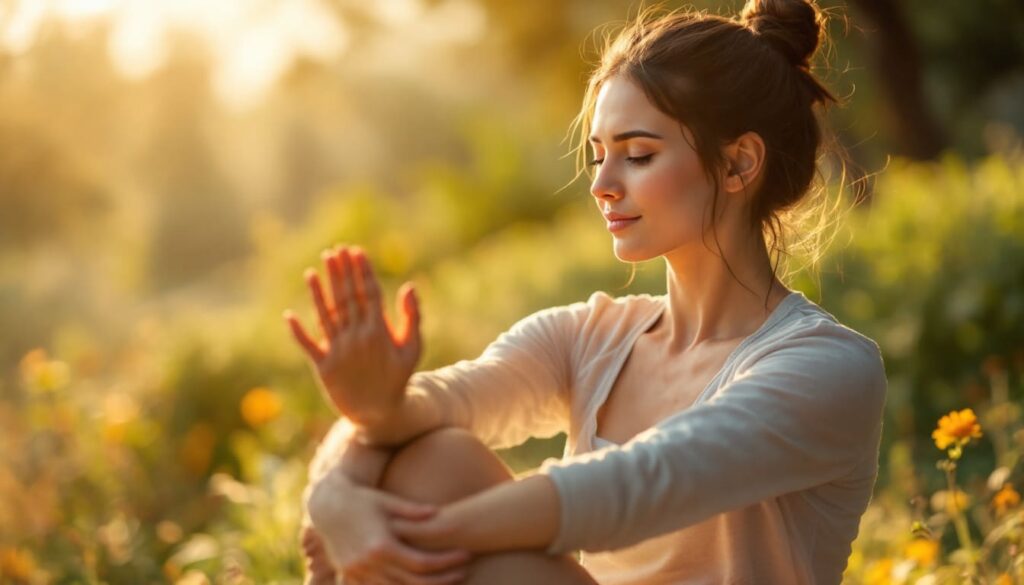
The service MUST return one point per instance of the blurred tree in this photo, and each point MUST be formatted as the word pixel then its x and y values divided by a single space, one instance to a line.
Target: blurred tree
pixel 47 195
pixel 974 66
pixel 303 167
pixel 898 66
pixel 198 223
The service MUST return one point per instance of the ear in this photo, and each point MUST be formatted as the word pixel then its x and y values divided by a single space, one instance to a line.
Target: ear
pixel 744 159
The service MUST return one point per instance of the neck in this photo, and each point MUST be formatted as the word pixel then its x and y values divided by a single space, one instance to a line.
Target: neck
pixel 707 303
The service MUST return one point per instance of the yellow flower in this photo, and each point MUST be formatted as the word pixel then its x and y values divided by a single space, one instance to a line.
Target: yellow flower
pixel 41 374
pixel 169 532
pixel 957 428
pixel 1004 579
pixel 1005 499
pixel 16 565
pixel 879 573
pixel 922 551
pixel 119 411
pixel 260 406
pixel 941 501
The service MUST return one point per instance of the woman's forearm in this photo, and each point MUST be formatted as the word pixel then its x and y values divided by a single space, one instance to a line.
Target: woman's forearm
pixel 415 415
pixel 513 515
pixel 362 464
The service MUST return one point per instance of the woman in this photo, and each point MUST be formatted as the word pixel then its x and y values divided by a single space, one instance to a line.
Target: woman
pixel 725 432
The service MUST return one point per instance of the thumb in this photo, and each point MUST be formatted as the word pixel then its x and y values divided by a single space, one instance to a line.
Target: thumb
pixel 411 531
pixel 409 334
pixel 402 508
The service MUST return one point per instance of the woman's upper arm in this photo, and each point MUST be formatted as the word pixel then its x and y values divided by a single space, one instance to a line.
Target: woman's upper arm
pixel 518 387
pixel 803 415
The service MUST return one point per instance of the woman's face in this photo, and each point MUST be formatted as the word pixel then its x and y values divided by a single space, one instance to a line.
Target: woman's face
pixel 644 167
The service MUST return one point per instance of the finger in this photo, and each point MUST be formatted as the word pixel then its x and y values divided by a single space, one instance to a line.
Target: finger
pixel 318 565
pixel 421 561
pixel 414 529
pixel 409 332
pixel 358 259
pixel 311 347
pixel 446 578
pixel 373 575
pixel 337 286
pixel 406 508
pixel 319 571
pixel 327 288
pixel 355 576
pixel 368 288
pixel 348 269
pixel 327 324
pixel 399 575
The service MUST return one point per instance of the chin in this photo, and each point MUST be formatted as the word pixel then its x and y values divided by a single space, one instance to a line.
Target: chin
pixel 626 253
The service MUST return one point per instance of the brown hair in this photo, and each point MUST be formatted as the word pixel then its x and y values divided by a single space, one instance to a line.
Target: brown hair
pixel 721 77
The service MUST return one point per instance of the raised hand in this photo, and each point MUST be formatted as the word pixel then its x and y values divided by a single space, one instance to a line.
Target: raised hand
pixel 363 361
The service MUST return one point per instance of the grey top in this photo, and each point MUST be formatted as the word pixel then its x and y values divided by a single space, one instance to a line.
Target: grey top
pixel 766 474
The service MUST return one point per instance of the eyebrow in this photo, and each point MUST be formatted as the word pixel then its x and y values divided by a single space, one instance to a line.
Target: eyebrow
pixel 628 135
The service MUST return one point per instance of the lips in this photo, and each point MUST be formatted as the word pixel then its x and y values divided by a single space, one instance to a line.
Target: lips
pixel 615 216
pixel 615 225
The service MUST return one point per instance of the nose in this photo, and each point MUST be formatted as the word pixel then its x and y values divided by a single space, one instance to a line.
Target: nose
pixel 605 184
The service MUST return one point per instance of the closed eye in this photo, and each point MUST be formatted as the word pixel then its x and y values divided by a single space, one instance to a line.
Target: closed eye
pixel 633 160
pixel 639 161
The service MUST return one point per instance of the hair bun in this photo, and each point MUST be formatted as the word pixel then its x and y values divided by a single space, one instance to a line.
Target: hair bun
pixel 793 27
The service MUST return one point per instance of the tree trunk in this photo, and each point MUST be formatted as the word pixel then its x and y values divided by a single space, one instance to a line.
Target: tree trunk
pixel 898 65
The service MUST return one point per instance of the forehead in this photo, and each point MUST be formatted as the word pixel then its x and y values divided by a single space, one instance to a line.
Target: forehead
pixel 622 105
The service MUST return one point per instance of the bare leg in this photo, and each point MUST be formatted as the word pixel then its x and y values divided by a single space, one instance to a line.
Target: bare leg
pixel 449 464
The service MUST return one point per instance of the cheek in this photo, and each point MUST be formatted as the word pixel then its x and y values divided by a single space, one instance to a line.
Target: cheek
pixel 679 187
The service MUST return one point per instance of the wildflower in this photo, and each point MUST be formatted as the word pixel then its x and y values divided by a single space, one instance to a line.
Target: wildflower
pixel 16 565
pixel 193 578
pixel 1005 499
pixel 957 428
pixel 169 532
pixel 942 500
pixel 260 406
pixel 920 529
pixel 119 411
pixel 879 573
pixel 41 374
pixel 922 551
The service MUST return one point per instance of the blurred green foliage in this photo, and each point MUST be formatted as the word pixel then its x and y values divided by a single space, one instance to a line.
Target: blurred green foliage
pixel 155 416
pixel 138 461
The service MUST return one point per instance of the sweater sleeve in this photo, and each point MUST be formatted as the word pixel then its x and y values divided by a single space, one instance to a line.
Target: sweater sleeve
pixel 803 414
pixel 518 387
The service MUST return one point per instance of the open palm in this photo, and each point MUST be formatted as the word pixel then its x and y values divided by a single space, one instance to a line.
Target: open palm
pixel 363 361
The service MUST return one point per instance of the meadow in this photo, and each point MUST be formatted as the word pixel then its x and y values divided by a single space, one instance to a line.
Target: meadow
pixel 156 418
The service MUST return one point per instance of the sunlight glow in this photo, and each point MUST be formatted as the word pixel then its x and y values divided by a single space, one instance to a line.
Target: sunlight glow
pixel 251 42
pixel 19 26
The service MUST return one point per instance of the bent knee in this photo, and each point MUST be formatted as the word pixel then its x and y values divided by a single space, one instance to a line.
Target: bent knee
pixel 442 466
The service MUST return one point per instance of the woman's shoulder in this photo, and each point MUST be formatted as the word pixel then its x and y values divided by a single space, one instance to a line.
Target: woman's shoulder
pixel 603 306
pixel 810 322
pixel 601 318
pixel 625 304
pixel 816 338
pixel 621 315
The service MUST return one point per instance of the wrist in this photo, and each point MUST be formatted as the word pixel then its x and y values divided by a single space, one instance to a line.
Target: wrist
pixel 381 429
pixel 364 464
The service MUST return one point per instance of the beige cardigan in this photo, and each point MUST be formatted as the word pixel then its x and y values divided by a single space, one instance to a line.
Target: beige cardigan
pixel 762 480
